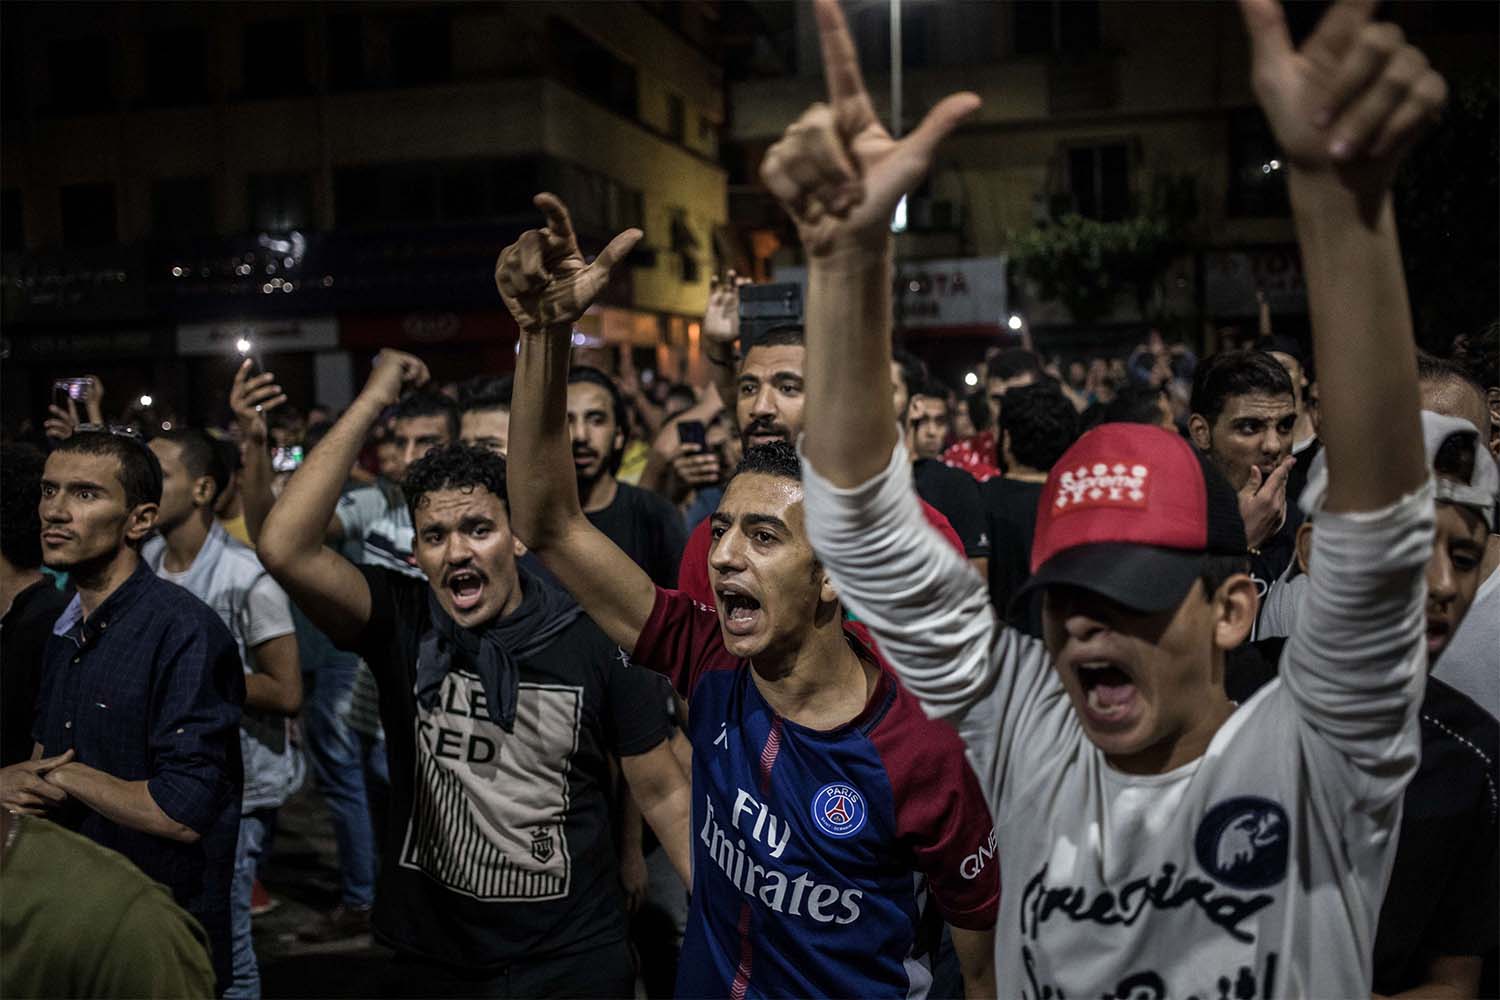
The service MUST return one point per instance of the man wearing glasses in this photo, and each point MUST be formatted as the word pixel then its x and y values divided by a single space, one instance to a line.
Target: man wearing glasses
pixel 137 731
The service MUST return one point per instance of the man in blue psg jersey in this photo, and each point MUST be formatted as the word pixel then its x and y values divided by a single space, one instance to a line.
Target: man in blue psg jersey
pixel 820 790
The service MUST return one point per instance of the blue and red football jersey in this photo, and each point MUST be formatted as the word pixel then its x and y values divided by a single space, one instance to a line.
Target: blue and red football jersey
pixel 814 852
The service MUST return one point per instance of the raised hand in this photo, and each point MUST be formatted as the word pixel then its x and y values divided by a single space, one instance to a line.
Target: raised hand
pixel 1351 100
pixel 62 423
pixel 251 398
pixel 1263 502
pixel 836 170
pixel 394 372
pixel 721 320
pixel 543 278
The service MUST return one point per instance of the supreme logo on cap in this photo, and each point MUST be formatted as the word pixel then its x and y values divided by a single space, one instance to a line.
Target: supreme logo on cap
pixel 1103 484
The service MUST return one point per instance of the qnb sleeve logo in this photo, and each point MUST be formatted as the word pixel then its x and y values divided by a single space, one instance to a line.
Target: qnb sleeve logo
pixel 839 810
pixel 1244 843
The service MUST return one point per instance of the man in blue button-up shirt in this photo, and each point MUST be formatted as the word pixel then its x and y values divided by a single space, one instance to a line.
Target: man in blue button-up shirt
pixel 137 733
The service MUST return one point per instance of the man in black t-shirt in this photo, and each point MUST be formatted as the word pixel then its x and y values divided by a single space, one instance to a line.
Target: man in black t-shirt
pixel 1244 414
pixel 1038 424
pixel 501 703
pixel 646 527
pixel 922 405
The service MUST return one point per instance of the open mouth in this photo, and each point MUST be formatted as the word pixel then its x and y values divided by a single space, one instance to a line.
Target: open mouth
pixel 1109 694
pixel 741 612
pixel 1438 631
pixel 467 587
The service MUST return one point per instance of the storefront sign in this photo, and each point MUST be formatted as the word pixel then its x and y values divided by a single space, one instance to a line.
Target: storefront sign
pixel 270 336
pixel 959 293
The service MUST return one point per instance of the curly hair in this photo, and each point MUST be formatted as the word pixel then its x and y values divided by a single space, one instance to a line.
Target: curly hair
pixel 1041 421
pixel 774 459
pixel 456 466
pixel 21 488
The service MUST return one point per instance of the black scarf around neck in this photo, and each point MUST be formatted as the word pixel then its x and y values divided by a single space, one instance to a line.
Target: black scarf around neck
pixel 491 651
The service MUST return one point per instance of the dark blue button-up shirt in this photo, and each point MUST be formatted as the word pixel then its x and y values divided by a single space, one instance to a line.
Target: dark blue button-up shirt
pixel 149 688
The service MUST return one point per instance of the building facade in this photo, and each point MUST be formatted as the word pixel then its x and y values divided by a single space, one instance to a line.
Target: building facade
pixel 326 179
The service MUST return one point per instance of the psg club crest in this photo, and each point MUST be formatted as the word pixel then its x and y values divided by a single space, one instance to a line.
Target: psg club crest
pixel 1244 842
pixel 839 810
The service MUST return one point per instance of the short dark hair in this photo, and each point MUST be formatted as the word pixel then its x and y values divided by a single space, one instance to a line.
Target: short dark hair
pixel 199 455
pixel 978 402
pixel 429 404
pixel 1217 569
pixel 1236 373
pixel 776 458
pixel 486 392
pixel 1136 403
pixel 1041 421
pixel 20 492
pixel 140 472
pixel 929 386
pixel 455 466
pixel 784 335
pixel 1009 362
pixel 913 371
pixel 1434 369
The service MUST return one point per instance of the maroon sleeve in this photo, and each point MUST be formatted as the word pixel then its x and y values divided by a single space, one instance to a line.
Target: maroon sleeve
pixel 941 815
pixel 934 517
pixel 681 640
pixel 692 572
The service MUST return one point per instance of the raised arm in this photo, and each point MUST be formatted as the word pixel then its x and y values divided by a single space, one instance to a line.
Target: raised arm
pixel 1345 108
pixel 251 397
pixel 324 584
pixel 547 285
pixel 839 174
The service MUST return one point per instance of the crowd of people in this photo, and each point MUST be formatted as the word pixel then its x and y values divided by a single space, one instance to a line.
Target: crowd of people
pixel 1164 676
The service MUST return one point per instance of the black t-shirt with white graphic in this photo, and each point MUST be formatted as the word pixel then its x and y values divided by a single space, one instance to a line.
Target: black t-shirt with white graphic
pixel 956 496
pixel 498 847
pixel 647 528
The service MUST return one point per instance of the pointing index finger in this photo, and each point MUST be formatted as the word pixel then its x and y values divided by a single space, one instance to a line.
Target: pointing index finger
pixel 846 87
pixel 557 214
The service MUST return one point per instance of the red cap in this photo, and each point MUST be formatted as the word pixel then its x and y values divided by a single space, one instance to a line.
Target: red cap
pixel 1130 511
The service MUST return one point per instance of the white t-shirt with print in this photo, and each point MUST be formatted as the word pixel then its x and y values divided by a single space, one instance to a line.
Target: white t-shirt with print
pixel 383 528
pixel 1256 870
pixel 256 610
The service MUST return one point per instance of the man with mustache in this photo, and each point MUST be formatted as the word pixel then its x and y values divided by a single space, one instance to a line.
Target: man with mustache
pixel 1244 415
pixel 641 523
pixel 768 408
pixel 501 704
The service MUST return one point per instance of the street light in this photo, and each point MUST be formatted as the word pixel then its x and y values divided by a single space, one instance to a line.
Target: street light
pixel 145 401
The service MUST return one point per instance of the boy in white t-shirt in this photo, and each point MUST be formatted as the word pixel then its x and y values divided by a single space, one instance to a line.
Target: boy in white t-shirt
pixel 1154 838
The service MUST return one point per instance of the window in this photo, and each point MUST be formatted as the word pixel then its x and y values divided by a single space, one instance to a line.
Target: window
pixel 1099 181
pixel 416 194
pixel 275 58
pixel 80 74
pixel 176 67
pixel 280 202
pixel 676 118
pixel 182 207
pixel 346 52
pixel 421 48
pixel 1257 176
pixel 1043 26
pixel 88 215
pixel 872 37
pixel 12 232
pixel 593 70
